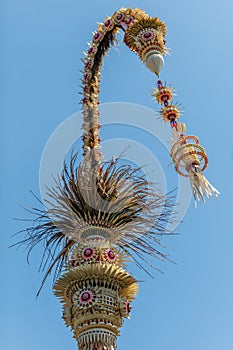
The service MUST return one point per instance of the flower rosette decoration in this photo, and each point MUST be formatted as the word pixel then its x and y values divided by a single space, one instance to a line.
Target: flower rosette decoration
pixel 110 256
pixel 83 299
pixel 84 254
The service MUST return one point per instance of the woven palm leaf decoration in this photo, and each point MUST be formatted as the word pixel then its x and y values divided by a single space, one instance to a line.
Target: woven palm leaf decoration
pixel 104 213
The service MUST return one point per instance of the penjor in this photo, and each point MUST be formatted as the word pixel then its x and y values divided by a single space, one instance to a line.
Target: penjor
pixel 103 213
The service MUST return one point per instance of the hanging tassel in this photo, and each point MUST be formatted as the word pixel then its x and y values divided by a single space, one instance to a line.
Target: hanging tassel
pixel 188 156
pixel 201 187
pixel 190 160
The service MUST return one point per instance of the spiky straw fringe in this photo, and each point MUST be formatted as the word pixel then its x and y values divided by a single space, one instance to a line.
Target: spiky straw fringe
pixel 117 198
pixel 201 187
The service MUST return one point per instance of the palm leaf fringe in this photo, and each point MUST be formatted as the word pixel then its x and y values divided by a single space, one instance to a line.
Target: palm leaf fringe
pixel 118 198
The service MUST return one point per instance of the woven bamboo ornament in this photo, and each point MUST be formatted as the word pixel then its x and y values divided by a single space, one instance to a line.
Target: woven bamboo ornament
pixel 188 156
pixel 102 214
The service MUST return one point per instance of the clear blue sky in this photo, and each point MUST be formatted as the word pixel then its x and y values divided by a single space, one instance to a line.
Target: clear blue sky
pixel 190 306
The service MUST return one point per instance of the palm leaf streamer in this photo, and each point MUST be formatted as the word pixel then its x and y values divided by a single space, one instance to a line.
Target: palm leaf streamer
pixel 118 200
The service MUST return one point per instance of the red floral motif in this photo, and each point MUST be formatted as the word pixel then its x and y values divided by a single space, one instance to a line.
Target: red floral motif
pixel 88 252
pixel 85 297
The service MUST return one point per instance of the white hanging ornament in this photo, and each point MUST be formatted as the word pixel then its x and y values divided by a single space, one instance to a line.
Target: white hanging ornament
pixel 154 61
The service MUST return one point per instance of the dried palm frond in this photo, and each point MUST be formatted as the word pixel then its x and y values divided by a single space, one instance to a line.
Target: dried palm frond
pixel 117 202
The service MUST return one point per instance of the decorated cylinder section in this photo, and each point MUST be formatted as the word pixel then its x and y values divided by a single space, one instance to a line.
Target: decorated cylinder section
pixel 96 293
